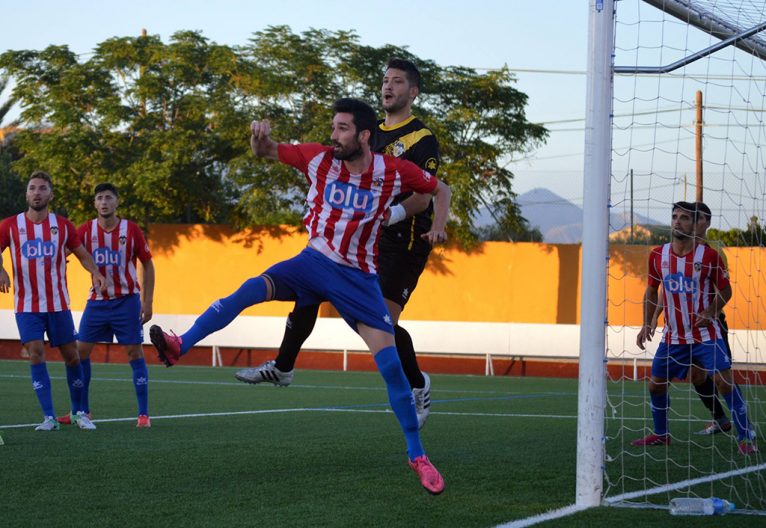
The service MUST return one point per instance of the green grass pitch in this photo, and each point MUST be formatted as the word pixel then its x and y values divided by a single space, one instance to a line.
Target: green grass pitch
pixel 325 451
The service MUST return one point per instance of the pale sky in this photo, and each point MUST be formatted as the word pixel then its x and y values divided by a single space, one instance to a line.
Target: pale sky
pixel 481 34
pixel 548 36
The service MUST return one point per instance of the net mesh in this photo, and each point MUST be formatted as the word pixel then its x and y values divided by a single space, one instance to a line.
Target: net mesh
pixel 654 162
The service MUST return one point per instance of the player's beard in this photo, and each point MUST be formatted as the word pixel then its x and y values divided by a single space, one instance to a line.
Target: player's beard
pixel 680 235
pixel 38 207
pixel 394 105
pixel 349 152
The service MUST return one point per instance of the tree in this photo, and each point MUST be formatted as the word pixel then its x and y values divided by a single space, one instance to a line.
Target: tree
pixel 154 119
pixel 168 123
pixel 12 198
pixel 753 236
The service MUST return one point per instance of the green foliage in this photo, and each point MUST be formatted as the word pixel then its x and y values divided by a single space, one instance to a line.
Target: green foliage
pixel 645 235
pixel 753 236
pixel 168 123
pixel 12 196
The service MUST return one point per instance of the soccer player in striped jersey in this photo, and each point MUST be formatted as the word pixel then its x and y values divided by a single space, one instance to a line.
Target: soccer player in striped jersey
pixel 38 240
pixel 695 288
pixel 350 192
pixel 402 252
pixel 122 309
pixel 702 382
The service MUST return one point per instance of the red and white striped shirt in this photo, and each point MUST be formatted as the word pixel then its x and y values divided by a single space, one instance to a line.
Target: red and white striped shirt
pixel 689 285
pixel 346 211
pixel 115 253
pixel 39 261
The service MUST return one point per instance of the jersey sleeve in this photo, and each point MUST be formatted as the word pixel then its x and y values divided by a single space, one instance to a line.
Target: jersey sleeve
pixel 73 240
pixel 425 154
pixel 82 232
pixel 654 275
pixel 140 247
pixel 414 178
pixel 298 156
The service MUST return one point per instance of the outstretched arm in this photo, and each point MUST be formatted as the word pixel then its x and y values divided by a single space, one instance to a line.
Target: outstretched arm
pixel 417 203
pixel 260 140
pixel 443 194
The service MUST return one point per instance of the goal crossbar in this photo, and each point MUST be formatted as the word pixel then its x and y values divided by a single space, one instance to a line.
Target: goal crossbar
pixel 710 23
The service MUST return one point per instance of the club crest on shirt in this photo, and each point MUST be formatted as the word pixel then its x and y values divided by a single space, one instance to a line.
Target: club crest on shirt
pixel 398 148
pixel 123 240
pixel 698 266
pixel 377 181
pixel 431 164
pixel 54 230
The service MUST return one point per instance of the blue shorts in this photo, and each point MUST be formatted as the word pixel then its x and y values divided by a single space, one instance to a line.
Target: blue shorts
pixel 58 325
pixel 310 278
pixel 119 317
pixel 673 361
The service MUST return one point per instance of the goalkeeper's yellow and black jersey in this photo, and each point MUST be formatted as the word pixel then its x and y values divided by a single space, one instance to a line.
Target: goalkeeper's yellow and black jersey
pixel 411 140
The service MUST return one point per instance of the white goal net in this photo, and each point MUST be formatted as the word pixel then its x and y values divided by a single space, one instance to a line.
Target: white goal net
pixel 673 66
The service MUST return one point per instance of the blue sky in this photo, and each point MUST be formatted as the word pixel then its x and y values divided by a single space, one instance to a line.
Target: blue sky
pixel 482 34
pixel 549 37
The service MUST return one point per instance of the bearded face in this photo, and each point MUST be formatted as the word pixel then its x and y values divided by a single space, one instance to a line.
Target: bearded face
pixel 39 194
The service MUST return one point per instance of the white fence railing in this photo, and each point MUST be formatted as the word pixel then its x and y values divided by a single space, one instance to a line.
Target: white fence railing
pixel 514 340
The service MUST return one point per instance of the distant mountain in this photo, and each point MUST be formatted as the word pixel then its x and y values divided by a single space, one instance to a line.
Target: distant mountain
pixel 558 219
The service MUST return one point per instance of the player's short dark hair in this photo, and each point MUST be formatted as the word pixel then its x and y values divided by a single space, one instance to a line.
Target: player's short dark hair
pixel 41 175
pixel 696 209
pixel 704 210
pixel 364 115
pixel 409 69
pixel 101 187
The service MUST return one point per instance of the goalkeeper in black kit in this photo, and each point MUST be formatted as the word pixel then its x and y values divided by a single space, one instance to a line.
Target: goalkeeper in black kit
pixel 402 253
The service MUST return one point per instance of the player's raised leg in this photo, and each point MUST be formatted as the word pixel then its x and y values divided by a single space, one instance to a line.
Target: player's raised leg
pixel 171 347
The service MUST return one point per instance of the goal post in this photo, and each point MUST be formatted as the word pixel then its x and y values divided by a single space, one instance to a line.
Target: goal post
pixel 597 162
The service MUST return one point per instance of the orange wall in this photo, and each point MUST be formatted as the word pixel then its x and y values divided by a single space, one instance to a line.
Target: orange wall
pixel 498 282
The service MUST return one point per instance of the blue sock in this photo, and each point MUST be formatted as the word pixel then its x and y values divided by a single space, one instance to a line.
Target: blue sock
pixel 738 412
pixel 223 311
pixel 85 404
pixel 660 406
pixel 74 380
pixel 141 384
pixel 41 383
pixel 400 397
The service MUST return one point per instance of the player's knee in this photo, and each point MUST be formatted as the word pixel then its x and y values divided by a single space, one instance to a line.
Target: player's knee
pixel 698 376
pixel 135 352
pixel 657 387
pixel 36 354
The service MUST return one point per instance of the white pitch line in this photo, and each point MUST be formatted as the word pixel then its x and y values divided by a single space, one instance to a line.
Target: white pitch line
pixel 683 484
pixel 298 409
pixel 547 516
pixel 298 386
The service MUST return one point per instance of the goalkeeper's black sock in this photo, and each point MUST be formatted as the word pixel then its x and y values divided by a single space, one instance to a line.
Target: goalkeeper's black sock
pixel 706 392
pixel 406 351
pixel 298 328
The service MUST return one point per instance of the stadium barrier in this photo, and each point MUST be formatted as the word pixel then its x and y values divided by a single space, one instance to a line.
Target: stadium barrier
pixel 490 341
